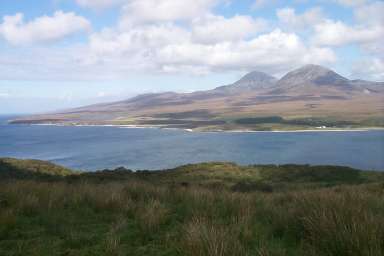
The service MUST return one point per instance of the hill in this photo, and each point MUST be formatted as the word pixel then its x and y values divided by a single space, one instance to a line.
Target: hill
pixel 309 97
pixel 26 169
pixel 203 209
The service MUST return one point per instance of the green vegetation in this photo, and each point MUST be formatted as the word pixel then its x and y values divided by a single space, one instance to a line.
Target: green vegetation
pixel 279 123
pixel 309 122
pixel 10 167
pixel 200 209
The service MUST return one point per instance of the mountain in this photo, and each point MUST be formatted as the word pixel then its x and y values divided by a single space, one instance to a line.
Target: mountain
pixel 307 97
pixel 254 80
pixel 320 81
pixel 313 75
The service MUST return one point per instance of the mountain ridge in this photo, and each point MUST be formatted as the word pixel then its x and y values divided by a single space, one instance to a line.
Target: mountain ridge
pixel 311 91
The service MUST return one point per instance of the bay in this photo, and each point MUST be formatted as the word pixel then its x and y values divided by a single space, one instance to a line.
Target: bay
pixel 96 148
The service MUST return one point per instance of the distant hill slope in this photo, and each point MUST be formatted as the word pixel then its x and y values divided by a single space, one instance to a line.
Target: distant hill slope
pixel 309 93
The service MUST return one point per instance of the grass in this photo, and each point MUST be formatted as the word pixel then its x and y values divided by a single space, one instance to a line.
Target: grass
pixel 204 209
pixel 10 167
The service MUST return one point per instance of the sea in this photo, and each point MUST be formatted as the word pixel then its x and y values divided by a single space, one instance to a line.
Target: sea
pixel 91 148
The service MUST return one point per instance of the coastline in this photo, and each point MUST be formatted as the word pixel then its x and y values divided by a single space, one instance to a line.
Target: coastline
pixel 362 129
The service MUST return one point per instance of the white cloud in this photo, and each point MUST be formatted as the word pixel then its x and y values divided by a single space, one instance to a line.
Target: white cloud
pixel 186 36
pixel 135 11
pixel 336 33
pixel 269 50
pixel 372 68
pixel 372 13
pixel 41 29
pixel 367 33
pixel 213 29
pixel 203 43
pixel 143 39
pixel 275 50
pixel 166 48
pixel 309 18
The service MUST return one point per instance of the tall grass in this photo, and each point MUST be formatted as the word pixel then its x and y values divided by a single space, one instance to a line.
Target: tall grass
pixel 143 218
pixel 205 237
pixel 342 225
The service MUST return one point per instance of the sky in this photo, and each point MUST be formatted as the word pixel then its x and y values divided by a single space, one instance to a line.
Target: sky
pixel 57 54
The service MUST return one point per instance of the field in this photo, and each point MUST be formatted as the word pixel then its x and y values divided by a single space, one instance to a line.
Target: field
pixel 202 209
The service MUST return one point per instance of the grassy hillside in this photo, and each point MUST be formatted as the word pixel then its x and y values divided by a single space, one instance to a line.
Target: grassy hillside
pixel 201 209
pixel 10 167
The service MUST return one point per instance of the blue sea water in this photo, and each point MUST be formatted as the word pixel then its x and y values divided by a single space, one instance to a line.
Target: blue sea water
pixel 95 148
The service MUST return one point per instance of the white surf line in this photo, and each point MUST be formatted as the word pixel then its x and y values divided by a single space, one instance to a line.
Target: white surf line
pixel 127 126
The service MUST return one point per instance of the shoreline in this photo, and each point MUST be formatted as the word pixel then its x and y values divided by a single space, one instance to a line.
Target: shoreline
pixel 362 129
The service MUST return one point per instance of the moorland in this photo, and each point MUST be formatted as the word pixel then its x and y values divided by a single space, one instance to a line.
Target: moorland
pixel 311 97
pixel 199 209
